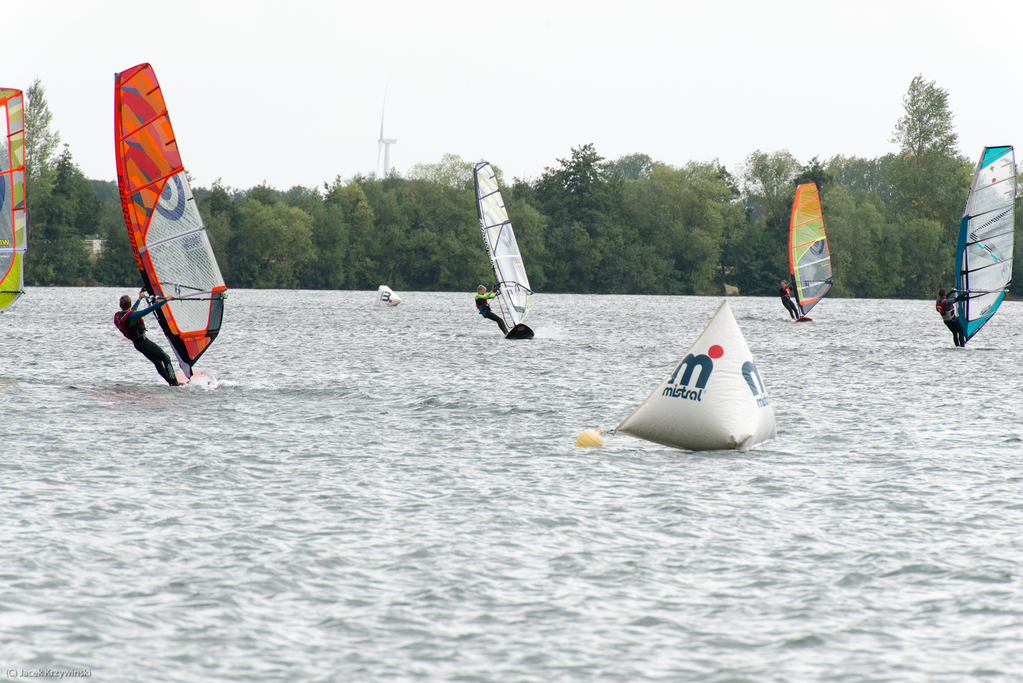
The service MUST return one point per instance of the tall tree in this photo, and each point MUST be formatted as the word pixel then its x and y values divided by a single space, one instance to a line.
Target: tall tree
pixel 57 256
pixel 930 180
pixel 40 142
pixel 927 123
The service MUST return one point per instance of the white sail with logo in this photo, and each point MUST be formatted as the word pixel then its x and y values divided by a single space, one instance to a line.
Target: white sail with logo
pixel 714 399
pixel 503 251
pixel 386 297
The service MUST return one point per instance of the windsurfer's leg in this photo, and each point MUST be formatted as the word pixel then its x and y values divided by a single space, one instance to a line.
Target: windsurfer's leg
pixel 790 307
pixel 496 318
pixel 158 358
pixel 957 332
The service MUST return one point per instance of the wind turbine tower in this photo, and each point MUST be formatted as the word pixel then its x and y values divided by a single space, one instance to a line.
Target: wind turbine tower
pixel 385 143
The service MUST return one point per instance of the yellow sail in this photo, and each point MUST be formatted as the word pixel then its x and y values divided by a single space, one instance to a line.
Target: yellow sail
pixel 809 258
pixel 12 197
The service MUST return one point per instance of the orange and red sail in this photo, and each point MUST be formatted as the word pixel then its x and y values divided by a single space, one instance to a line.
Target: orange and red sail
pixel 168 238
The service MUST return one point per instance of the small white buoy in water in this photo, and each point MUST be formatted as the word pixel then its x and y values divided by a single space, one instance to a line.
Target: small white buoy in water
pixel 591 437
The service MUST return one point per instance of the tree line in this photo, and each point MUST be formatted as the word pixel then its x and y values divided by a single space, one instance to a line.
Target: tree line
pixel 631 225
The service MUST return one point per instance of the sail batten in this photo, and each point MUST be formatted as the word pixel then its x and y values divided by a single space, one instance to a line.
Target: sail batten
pixel 172 249
pixel 984 251
pixel 809 257
pixel 502 250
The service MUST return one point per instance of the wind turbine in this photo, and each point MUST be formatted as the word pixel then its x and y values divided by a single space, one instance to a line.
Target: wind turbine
pixel 384 142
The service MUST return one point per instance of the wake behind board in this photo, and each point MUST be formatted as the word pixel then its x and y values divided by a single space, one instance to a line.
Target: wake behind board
pixel 520 331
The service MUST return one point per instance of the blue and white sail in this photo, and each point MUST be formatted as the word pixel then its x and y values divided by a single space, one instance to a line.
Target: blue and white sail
pixel 984 251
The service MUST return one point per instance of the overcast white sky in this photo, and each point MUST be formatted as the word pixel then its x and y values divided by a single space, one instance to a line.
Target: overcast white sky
pixel 291 93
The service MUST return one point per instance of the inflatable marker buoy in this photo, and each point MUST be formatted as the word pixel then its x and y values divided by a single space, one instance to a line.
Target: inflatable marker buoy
pixel 591 437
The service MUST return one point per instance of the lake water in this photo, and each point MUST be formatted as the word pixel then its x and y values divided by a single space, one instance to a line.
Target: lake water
pixel 394 495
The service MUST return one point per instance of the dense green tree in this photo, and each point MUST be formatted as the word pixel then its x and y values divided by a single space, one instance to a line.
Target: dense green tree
pixel 116 264
pixel 926 258
pixel 271 245
pixel 866 253
pixel 768 188
pixel 452 171
pixel 57 255
pixel 862 175
pixel 682 214
pixel 632 166
pixel 582 200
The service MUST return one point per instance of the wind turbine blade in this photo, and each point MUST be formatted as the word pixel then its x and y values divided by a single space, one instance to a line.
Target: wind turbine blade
pixel 379 149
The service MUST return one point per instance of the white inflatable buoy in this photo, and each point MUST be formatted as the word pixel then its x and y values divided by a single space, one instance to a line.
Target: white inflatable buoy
pixel 714 399
pixel 386 297
pixel 591 437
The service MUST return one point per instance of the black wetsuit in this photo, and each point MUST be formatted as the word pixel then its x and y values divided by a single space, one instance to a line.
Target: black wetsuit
pixel 947 308
pixel 483 308
pixel 133 327
pixel 789 304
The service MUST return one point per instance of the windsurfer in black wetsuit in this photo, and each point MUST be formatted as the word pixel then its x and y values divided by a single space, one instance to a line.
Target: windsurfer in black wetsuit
pixel 946 306
pixel 129 321
pixel 483 307
pixel 786 299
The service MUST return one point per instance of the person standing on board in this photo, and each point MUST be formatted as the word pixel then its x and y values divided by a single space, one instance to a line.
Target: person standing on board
pixel 483 307
pixel 946 306
pixel 786 299
pixel 129 321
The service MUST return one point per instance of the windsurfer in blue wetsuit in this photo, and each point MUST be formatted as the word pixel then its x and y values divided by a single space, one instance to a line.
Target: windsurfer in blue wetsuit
pixel 483 307
pixel 946 306
pixel 786 295
pixel 129 321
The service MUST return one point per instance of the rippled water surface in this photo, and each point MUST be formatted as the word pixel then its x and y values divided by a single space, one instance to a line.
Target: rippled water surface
pixel 393 494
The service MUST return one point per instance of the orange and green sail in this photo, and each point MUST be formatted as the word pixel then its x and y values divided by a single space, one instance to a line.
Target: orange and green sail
pixel 12 197
pixel 172 250
pixel 809 258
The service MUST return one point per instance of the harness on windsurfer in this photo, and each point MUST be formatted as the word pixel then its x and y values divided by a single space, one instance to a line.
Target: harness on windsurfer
pixel 483 306
pixel 946 306
pixel 131 324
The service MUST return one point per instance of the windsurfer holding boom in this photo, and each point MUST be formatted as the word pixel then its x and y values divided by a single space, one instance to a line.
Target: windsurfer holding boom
pixel 129 321
pixel 946 306
pixel 786 294
pixel 483 308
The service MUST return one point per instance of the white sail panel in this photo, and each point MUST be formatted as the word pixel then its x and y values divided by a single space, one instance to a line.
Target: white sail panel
pixel 984 251
pixel 714 399
pixel 502 249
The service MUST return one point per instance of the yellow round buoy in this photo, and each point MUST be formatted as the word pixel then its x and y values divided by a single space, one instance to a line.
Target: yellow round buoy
pixel 591 437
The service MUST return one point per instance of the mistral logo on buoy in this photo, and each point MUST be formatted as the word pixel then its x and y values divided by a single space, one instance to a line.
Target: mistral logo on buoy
pixel 756 385
pixel 691 363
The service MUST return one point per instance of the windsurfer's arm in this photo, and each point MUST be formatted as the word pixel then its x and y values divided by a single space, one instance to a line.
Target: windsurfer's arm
pixel 135 315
